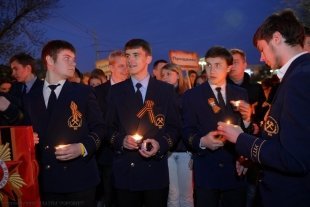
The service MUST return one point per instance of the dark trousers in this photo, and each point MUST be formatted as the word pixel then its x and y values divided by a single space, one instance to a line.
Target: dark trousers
pixel 147 198
pixel 105 192
pixel 220 198
pixel 77 199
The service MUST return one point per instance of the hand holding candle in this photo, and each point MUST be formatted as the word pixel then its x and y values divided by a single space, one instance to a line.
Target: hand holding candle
pixel 211 141
pixel 137 137
pixel 235 105
pixel 132 142
pixel 229 131
pixel 244 108
pixel 149 148
pixel 221 137
pixel 66 152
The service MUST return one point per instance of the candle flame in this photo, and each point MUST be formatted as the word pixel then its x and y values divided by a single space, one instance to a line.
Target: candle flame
pixel 228 122
pixel 137 137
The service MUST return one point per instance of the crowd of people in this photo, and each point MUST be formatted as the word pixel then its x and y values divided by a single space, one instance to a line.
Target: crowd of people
pixel 159 139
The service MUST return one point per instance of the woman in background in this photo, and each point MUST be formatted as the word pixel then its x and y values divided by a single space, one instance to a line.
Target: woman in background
pixel 180 173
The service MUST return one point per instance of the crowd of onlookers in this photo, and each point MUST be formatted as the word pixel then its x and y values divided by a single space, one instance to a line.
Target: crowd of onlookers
pixel 260 96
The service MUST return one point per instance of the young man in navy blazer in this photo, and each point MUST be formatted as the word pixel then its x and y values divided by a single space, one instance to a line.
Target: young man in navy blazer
pixel 119 72
pixel 216 177
pixel 145 106
pixel 283 150
pixel 69 124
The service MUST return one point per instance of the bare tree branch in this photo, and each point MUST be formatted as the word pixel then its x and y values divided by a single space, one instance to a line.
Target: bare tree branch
pixel 18 21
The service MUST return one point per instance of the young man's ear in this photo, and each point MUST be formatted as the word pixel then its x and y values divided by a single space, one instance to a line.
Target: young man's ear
pixel 149 59
pixel 49 60
pixel 277 38
pixel 229 68
pixel 29 68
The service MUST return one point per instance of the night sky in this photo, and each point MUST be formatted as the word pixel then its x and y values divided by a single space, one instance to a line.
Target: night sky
pixel 96 27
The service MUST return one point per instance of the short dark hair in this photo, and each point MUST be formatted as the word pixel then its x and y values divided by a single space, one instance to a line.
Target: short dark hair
pixel 136 43
pixel 285 23
pixel 52 48
pixel 218 51
pixel 25 59
pixel 159 61
pixel 307 31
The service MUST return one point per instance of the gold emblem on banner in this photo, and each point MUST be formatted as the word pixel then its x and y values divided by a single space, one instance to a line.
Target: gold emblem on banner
pixel 10 180
pixel 75 120
pixel 271 126
pixel 213 105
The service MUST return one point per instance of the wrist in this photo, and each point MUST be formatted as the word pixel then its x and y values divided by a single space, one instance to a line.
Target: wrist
pixel 83 151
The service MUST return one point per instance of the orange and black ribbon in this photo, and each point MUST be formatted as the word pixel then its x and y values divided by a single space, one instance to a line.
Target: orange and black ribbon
pixel 148 107
pixel 215 107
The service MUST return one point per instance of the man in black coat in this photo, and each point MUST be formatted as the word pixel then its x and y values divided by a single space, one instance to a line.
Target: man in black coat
pixel 119 73
pixel 70 127
pixel 283 149
pixel 147 107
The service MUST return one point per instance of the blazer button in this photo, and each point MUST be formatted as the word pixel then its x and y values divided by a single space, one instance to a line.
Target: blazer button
pixel 46 147
pixel 221 165
pixel 47 167
pixel 132 164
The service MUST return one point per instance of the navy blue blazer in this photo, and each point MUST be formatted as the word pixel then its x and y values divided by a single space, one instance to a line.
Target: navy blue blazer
pixel 283 150
pixel 212 169
pixel 76 118
pixel 15 113
pixel 131 170
pixel 104 154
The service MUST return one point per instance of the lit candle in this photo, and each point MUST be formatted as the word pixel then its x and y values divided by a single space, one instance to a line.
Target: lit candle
pixel 236 105
pixel 137 138
pixel 228 122
pixel 61 146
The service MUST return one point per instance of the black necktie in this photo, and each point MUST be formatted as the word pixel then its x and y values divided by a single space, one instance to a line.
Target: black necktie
pixel 24 89
pixel 139 94
pixel 220 98
pixel 52 99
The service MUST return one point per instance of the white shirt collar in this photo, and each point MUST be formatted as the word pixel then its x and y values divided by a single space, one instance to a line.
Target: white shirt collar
pixel 281 72
pixel 47 90
pixel 223 90
pixel 143 82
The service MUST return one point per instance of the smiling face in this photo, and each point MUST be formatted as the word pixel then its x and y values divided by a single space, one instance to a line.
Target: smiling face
pixel 137 62
pixel 217 69
pixel 119 69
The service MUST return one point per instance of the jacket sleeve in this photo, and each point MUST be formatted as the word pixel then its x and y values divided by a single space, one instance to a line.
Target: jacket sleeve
pixel 95 125
pixel 289 151
pixel 169 138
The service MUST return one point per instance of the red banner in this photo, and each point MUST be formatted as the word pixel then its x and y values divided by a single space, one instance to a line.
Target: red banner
pixel 18 168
